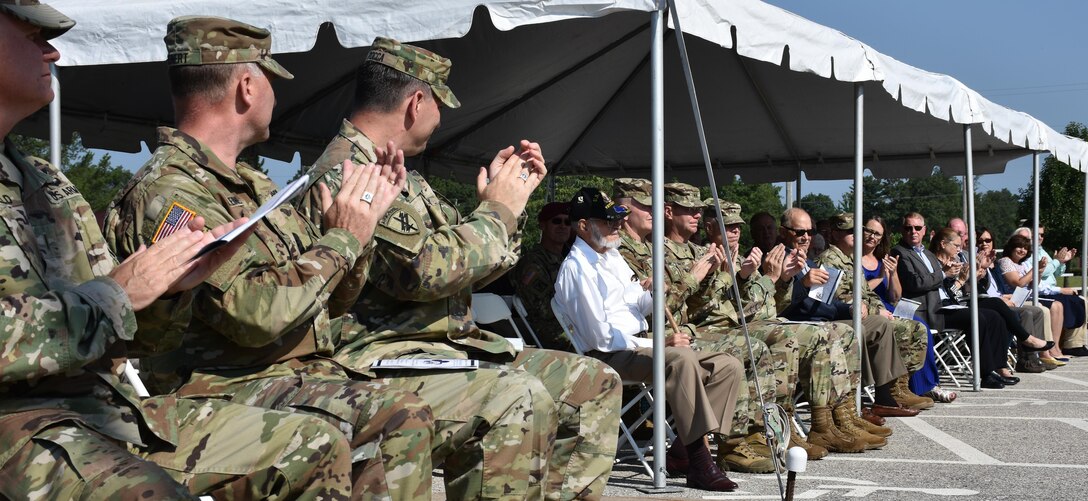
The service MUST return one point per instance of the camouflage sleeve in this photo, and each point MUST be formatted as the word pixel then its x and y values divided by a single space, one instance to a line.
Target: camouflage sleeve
pixel 253 299
pixel 530 281
pixel 869 298
pixel 682 284
pixel 430 264
pixel 347 293
pixel 162 325
pixel 63 329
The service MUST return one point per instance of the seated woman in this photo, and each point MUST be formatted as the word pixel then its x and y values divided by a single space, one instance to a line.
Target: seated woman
pixel 1017 271
pixel 879 270
pixel 946 245
pixel 992 283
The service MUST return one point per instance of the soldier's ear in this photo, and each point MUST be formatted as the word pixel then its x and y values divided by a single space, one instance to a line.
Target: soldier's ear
pixel 414 105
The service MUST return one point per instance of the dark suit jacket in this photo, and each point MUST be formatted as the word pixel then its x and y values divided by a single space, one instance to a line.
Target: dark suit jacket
pixel 920 284
pixel 803 308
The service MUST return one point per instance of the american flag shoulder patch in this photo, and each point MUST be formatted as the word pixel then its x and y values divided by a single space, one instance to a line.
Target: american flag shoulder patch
pixel 175 219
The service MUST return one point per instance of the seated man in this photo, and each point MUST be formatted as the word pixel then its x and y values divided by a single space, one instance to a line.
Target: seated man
pixel 745 450
pixel 534 277
pixel 607 305
pixel 911 337
pixel 71 428
pixel 265 323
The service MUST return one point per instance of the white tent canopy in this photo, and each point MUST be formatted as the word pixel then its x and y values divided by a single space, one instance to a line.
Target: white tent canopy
pixel 776 89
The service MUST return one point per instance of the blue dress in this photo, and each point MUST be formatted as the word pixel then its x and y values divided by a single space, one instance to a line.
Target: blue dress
pixel 927 377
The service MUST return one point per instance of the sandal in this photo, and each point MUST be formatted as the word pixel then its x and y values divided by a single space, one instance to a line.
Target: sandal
pixel 941 395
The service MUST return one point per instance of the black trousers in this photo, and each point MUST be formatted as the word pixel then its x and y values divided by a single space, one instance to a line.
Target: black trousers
pixel 993 338
pixel 1011 319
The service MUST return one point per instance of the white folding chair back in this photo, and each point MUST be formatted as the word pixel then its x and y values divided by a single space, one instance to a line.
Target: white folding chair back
pixel 643 392
pixel 133 377
pixel 519 308
pixel 488 308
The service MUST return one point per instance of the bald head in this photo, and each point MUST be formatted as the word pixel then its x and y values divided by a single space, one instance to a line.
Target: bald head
pixel 959 227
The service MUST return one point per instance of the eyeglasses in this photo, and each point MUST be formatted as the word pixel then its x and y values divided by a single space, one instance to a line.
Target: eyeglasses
pixel 985 240
pixel 909 227
pixel 561 220
pixel 800 233
pixel 955 244
pixel 874 233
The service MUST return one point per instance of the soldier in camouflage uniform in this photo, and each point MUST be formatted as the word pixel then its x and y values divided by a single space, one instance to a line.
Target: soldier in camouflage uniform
pixel 745 451
pixel 70 428
pixel 264 325
pixel 910 336
pixel 828 362
pixel 428 259
pixel 534 276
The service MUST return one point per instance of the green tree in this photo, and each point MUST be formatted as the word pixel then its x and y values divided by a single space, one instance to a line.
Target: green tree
pixel 1061 198
pixel 818 205
pixel 938 198
pixel 996 210
pixel 98 181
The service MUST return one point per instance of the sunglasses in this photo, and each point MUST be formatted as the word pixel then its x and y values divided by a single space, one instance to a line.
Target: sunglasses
pixel 908 227
pixel 800 233
pixel 561 220
pixel 985 240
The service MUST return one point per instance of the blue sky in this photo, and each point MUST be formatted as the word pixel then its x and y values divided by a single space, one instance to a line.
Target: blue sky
pixel 1023 55
pixel 1020 54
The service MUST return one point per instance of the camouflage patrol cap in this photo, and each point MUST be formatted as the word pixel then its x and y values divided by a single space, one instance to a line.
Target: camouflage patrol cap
pixel 50 20
pixel 633 188
pixel 199 40
pixel 842 221
pixel 730 212
pixel 418 63
pixel 683 194
pixel 591 203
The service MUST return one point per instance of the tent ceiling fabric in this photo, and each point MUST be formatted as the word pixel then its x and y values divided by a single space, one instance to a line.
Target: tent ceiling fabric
pixel 572 75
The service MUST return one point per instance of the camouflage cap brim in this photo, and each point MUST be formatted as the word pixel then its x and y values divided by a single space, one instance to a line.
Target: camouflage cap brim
pixel 52 22
pixel 275 68
pixel 445 94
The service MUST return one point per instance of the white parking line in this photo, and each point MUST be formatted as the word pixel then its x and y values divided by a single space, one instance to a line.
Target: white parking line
pixel 1066 379
pixel 955 463
pixel 1079 423
pixel 957 446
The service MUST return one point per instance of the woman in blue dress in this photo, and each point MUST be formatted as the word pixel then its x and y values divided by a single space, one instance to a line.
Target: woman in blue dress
pixel 880 271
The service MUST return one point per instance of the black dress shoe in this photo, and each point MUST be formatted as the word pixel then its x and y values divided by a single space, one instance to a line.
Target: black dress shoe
pixel 1008 381
pixel 1030 365
pixel 1079 351
pixel 1046 346
pixel 991 382
pixel 676 460
pixel 710 478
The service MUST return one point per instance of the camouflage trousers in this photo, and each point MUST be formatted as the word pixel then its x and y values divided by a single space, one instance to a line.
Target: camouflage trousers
pixel 225 450
pixel 390 431
pixel 912 338
pixel 748 415
pixel 830 364
pixel 542 425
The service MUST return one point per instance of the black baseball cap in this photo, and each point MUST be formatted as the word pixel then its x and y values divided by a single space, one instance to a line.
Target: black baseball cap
pixel 591 203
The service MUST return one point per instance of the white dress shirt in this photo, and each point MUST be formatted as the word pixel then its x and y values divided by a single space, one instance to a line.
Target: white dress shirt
pixel 601 297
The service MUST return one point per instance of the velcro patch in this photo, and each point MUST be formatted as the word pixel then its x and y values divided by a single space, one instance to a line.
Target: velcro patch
pixel 400 221
pixel 175 219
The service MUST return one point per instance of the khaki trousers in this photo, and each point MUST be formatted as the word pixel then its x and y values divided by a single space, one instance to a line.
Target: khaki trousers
pixel 700 387
pixel 881 362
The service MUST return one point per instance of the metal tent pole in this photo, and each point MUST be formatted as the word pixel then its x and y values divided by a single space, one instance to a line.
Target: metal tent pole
pixel 1035 226
pixel 859 188
pixel 657 113
pixel 54 120
pixel 969 178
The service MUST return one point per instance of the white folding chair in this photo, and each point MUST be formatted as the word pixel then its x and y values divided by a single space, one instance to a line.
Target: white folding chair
pixel 953 355
pixel 643 392
pixel 488 308
pixel 519 308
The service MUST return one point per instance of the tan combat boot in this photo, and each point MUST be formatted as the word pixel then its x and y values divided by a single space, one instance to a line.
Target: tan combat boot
pixel 843 417
pixel 738 455
pixel 848 403
pixel 796 440
pixel 901 393
pixel 826 435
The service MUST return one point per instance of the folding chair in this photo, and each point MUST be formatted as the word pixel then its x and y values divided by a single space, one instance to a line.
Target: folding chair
pixel 643 392
pixel 953 355
pixel 519 308
pixel 488 308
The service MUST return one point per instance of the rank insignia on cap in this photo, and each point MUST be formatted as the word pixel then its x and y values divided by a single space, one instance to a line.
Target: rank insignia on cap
pixel 175 219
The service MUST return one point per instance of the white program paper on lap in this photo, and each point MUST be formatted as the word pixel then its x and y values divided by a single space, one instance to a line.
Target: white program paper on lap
pixel 1020 295
pixel 273 203
pixel 427 364
pixel 906 308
